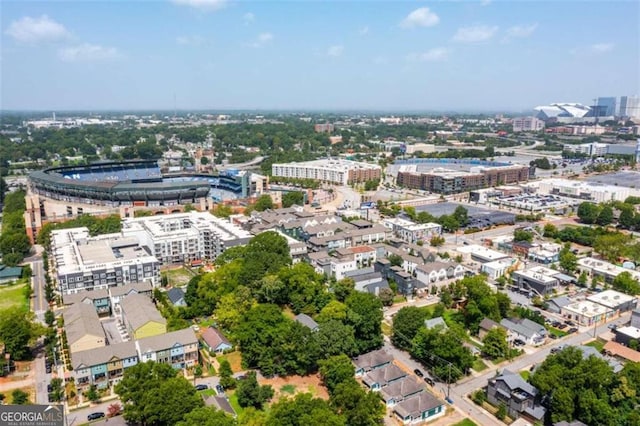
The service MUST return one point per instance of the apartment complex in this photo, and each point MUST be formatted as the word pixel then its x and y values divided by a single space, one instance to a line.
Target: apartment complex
pixel 445 181
pixel 527 124
pixel 335 170
pixel 185 237
pixel 410 231
pixel 89 263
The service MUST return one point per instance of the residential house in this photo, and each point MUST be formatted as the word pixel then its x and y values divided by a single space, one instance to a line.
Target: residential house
pixel 516 394
pixel 556 304
pixel 307 321
pixel 615 301
pixel 435 322
pixel 400 390
pixel 588 351
pixel 524 329
pixel 434 272
pixel 99 298
pixel 83 328
pixel 367 279
pixel 176 296
pixel 177 348
pixel 141 317
pixel 406 283
pixel 486 325
pixel 342 261
pixel 409 261
pixel 420 408
pixel 103 366
pixel 410 231
pixel 620 351
pixel 363 255
pixel 381 377
pixel 371 361
pixel 214 341
pixel 118 293
pixel 10 273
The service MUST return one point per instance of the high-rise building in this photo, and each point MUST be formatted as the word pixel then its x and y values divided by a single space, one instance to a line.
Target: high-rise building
pixel 630 106
pixel 527 124
pixel 609 103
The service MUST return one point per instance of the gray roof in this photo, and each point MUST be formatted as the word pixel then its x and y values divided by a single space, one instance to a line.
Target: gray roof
pixel 81 319
pixel 175 294
pixel 523 327
pixel 587 351
pixel 417 405
pixel 103 355
pixel 514 381
pixel 306 320
pixel 384 375
pixel 70 299
pixel 161 342
pixel 143 287
pixel 140 310
pixel 220 402
pixel 572 423
pixel 434 322
pixel 373 359
pixel 435 266
pixel 488 324
pixel 402 388
pixel 560 301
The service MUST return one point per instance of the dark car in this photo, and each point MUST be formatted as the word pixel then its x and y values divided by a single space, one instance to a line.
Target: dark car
pixel 518 342
pixel 429 381
pixel 572 330
pixel 219 389
pixel 201 387
pixel 49 388
pixel 47 368
pixel 95 416
pixel 418 372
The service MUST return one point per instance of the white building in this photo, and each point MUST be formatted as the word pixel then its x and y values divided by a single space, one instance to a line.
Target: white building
pixel 343 172
pixel 585 190
pixel 615 301
pixel 630 106
pixel 604 269
pixel 527 124
pixel 410 231
pixel 586 313
pixel 90 263
pixel 480 253
pixel 497 268
pixel 185 237
pixel 593 149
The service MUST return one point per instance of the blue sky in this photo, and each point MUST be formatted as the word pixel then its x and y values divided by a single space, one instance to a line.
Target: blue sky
pixel 382 55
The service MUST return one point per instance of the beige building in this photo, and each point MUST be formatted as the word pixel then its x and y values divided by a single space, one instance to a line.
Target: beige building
pixel 83 328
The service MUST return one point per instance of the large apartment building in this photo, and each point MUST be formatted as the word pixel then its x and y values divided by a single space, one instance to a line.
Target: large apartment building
pixel 88 263
pixel 444 181
pixel 185 237
pixel 334 170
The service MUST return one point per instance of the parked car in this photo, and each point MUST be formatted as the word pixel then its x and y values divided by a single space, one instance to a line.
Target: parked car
pixel 47 368
pixel 572 330
pixel 429 381
pixel 418 372
pixel 95 416
pixel 518 342
pixel 201 387
pixel 219 389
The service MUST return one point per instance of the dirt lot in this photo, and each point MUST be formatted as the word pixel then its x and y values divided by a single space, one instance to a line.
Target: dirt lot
pixel 289 386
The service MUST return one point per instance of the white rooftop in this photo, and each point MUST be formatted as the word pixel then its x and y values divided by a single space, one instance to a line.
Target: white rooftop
pixel 633 332
pixel 586 308
pixel 481 251
pixel 610 298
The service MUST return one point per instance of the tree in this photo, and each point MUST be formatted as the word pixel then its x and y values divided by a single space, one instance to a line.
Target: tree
pixel 436 241
pixel 502 408
pixel 361 408
pixel 251 394
pixel 611 246
pixel 49 317
pixel 495 343
pixel 291 198
pixel 588 212
pixel 17 331
pixel 364 314
pixel 406 324
pixel 335 338
pixel 92 394
pixel 386 296
pixel 335 370
pixel 226 375
pixel 605 217
pixel 627 217
pixel 303 410
pixel 461 215
pixel 343 288
pixel 522 235
pixel 222 210
pixel 19 397
pixel 582 279
pixel 550 230
pixel 625 283
pixel 153 394
pixel 449 223
pixel 395 260
pixel 263 203
pixel 568 261
pixel 447 347
pixel 207 416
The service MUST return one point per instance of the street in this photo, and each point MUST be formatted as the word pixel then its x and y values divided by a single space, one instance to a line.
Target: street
pixel 40 304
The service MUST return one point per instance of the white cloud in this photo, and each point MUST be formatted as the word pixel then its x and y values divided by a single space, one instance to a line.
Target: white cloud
pixel 363 31
pixel 35 30
pixel 602 47
pixel 190 40
pixel 422 17
pixel 432 55
pixel 475 34
pixel 206 5
pixel 520 31
pixel 248 18
pixel 261 40
pixel 335 51
pixel 88 53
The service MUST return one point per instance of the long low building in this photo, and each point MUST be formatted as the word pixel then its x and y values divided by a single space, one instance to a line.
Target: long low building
pixel 343 172
pixel 608 271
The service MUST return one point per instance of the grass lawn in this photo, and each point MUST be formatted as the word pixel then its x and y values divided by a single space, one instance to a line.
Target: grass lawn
pixel 465 422
pixel 598 344
pixel 525 375
pixel 386 329
pixel 235 360
pixel 290 389
pixel 557 332
pixel 208 392
pixel 399 299
pixel 178 277
pixel 13 295
pixel 479 365
pixel 233 400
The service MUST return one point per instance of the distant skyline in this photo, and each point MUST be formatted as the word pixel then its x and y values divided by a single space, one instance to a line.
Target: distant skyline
pixel 309 55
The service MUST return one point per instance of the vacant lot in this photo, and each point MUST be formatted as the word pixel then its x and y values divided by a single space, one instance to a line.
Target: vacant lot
pixel 287 386
pixel 13 295
pixel 178 277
